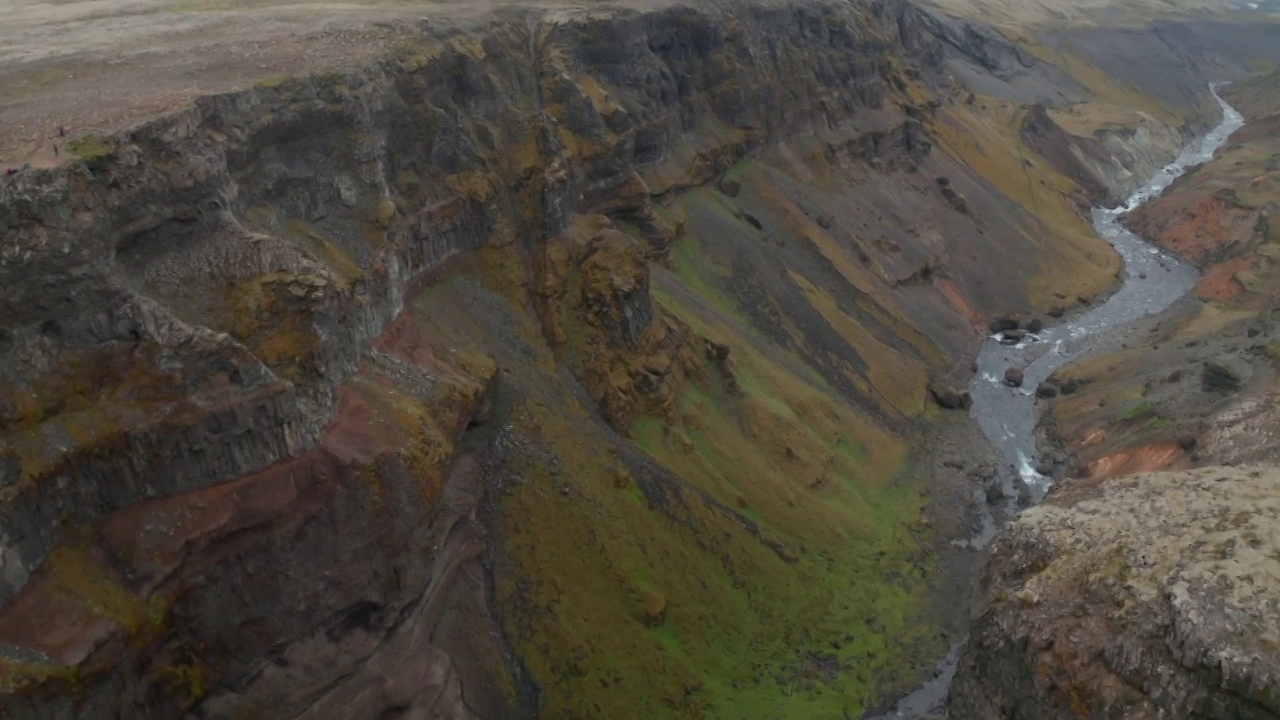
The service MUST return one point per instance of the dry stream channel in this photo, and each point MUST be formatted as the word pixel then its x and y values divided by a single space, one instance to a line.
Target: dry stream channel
pixel 1153 281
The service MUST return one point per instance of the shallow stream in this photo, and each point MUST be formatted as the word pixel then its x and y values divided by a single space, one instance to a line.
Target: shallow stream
pixel 1153 280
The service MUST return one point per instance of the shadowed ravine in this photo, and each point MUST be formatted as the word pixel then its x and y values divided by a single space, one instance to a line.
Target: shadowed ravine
pixel 1153 280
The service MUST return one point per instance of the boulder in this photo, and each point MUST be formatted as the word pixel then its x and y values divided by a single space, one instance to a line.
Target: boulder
pixel 1047 390
pixel 950 397
pixel 1013 377
pixel 1002 323
pixel 1035 325
pixel 653 609
pixel 1056 312
pixel 1148 596
pixel 1224 375
pixel 993 491
pixel 825 222
pixel 730 186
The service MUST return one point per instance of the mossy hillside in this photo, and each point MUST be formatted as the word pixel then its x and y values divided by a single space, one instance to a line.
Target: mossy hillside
pixel 788 615
pixel 842 335
pixel 1062 255
pixel 1100 86
pixel 794 196
pixel 785 445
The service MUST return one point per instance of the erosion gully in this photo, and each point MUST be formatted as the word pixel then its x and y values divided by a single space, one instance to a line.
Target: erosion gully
pixel 1153 280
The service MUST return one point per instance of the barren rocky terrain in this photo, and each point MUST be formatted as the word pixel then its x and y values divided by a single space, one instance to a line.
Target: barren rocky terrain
pixel 1143 597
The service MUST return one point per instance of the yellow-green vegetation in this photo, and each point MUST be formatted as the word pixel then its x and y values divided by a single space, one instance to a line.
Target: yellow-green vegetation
pixel 183 673
pixel 270 82
pixel 1069 256
pixel 750 555
pixel 1086 119
pixel 82 400
pixel 16 675
pixel 1104 90
pixel 90 148
pixel 74 575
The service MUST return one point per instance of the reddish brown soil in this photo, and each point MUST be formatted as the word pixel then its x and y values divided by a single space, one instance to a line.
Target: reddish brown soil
pixel 1143 458
pixel 1219 284
pixel 1195 225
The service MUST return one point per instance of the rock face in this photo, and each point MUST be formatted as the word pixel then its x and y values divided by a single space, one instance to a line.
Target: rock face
pixel 949 396
pixel 239 470
pixel 1149 596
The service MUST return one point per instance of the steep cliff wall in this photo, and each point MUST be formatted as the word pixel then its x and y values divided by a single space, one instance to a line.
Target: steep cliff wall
pixel 1149 596
pixel 569 364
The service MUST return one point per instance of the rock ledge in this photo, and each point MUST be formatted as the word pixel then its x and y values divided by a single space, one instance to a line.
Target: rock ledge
pixel 1156 595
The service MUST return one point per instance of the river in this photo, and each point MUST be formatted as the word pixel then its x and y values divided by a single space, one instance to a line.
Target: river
pixel 1153 280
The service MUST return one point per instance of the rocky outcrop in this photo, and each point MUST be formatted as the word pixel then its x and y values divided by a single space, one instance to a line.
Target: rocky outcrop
pixel 1060 149
pixel 1223 375
pixel 1149 596
pixel 949 396
pixel 1110 162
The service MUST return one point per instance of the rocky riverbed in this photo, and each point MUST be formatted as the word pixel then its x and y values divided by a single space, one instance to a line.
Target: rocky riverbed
pixel 1016 362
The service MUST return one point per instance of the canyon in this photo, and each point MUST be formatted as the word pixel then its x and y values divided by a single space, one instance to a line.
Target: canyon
pixel 609 361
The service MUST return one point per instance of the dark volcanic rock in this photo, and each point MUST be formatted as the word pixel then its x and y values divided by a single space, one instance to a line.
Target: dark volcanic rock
pixel 1224 375
pixel 1047 390
pixel 1002 323
pixel 949 396
pixel 1013 377
pixel 1035 325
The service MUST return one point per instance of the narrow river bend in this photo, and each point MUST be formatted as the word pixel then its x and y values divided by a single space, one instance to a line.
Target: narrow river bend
pixel 1153 280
